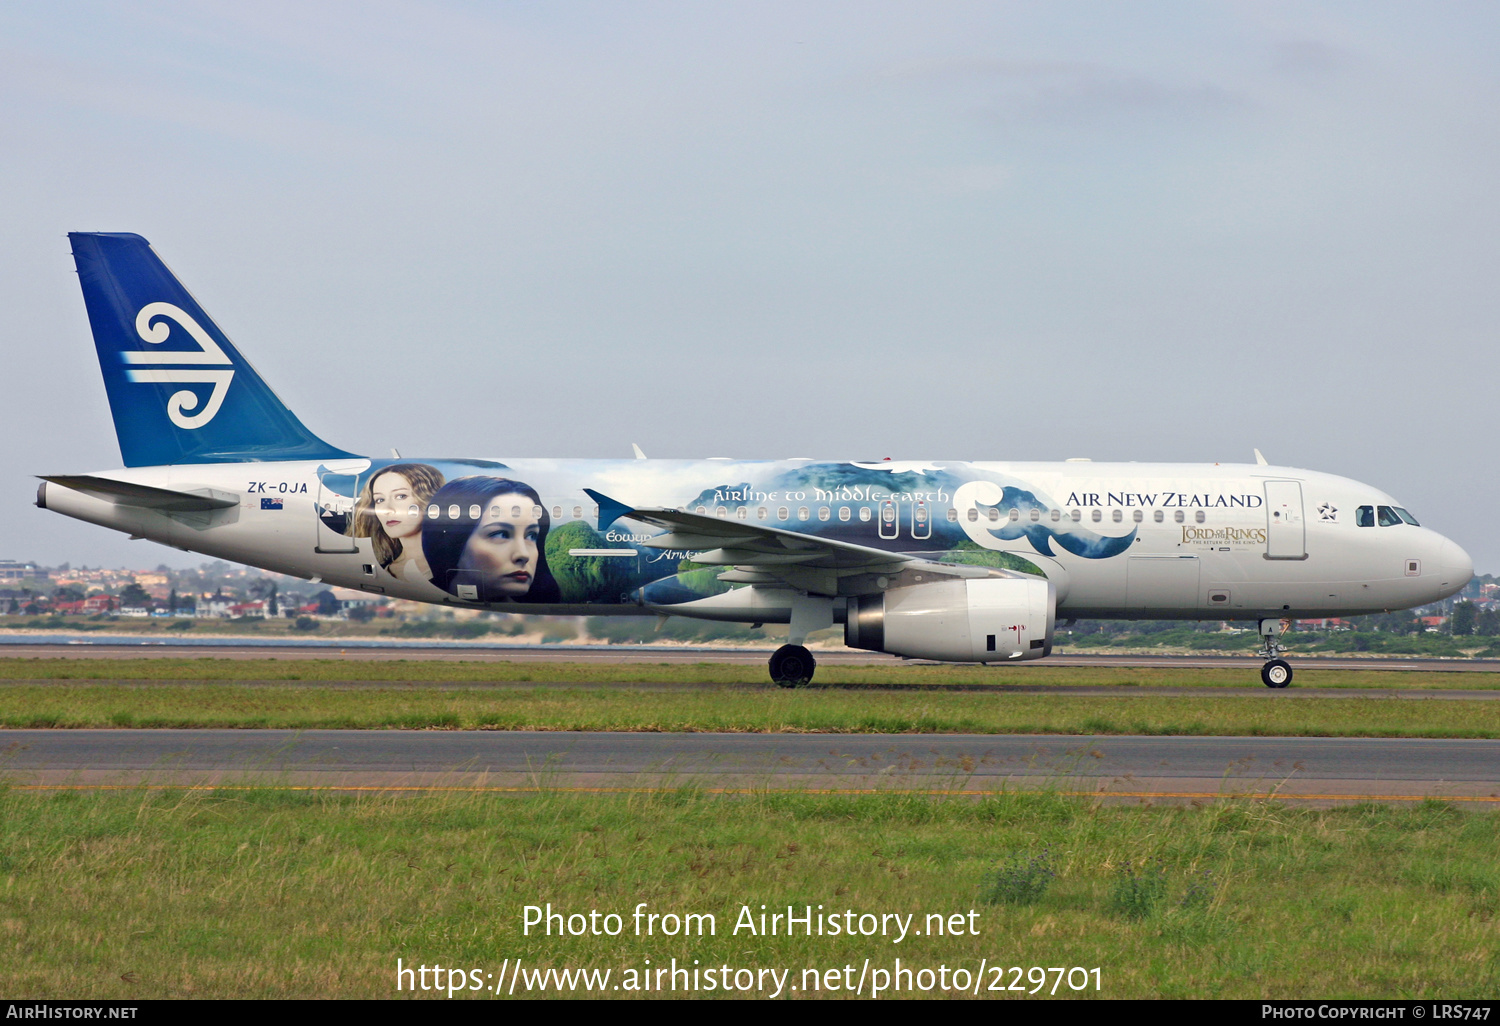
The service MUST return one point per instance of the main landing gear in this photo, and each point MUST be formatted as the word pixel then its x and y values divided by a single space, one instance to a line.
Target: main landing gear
pixel 1277 672
pixel 792 666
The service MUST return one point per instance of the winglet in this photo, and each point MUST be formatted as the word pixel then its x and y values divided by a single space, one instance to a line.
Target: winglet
pixel 1260 460
pixel 638 454
pixel 610 510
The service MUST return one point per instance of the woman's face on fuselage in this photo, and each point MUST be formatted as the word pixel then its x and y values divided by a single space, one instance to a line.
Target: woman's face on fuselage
pixel 395 504
pixel 504 545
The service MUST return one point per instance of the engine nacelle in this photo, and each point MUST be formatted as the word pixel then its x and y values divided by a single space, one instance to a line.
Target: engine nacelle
pixel 988 620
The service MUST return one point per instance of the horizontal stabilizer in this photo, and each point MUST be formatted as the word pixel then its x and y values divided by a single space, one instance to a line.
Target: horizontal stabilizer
pixel 127 493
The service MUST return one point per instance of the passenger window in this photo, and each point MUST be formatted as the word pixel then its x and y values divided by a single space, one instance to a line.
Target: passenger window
pixel 994 512
pixel 413 510
pixel 537 512
pixel 433 512
pixel 722 513
pixel 844 513
pixel 1388 517
pixel 888 513
pixel 1138 516
pixel 1077 515
pixel 952 515
pixel 1098 515
pixel 453 511
pixel 1036 514
pixel 474 511
pixel 973 515
pixel 1158 516
pixel 761 513
pixel 864 513
pixel 701 511
pixel 1407 517
pixel 1199 517
pixel 742 513
pixel 782 513
pixel 1117 516
pixel 824 513
pixel 803 513
pixel 556 512
pixel 1056 515
pixel 1015 515
pixel 1177 516
pixel 1365 516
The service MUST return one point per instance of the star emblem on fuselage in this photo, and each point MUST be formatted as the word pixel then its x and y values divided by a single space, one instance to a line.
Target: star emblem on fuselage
pixel 1328 512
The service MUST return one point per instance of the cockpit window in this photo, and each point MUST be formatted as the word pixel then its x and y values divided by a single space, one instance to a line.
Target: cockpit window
pixel 1407 517
pixel 1365 516
pixel 1388 517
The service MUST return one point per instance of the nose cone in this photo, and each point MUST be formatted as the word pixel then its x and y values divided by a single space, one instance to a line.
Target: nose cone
pixel 1456 567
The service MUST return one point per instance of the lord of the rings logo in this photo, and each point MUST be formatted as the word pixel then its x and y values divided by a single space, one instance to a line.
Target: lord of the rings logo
pixel 1224 535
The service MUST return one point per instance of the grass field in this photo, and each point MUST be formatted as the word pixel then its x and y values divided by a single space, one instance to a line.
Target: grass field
pixel 770 710
pixel 707 672
pixel 463 695
pixel 267 893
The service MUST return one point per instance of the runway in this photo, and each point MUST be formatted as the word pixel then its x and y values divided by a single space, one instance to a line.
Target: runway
pixel 1306 769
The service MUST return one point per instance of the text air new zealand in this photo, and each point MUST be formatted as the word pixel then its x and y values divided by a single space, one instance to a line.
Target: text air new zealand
pixel 948 560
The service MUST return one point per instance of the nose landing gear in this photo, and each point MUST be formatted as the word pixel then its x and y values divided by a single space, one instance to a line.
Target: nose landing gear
pixel 1277 672
pixel 792 666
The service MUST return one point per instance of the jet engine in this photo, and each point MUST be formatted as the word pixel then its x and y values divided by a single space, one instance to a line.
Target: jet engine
pixel 988 620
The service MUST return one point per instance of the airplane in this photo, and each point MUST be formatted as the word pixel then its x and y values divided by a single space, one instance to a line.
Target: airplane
pixel 972 562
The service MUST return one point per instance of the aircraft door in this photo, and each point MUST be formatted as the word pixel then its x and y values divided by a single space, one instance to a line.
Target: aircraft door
pixel 889 526
pixel 1286 534
pixel 921 520
pixel 333 512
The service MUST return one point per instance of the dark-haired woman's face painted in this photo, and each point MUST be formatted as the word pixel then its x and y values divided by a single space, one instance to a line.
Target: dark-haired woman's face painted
pixel 503 546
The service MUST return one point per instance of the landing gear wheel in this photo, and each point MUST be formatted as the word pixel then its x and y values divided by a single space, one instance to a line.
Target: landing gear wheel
pixel 792 666
pixel 1277 673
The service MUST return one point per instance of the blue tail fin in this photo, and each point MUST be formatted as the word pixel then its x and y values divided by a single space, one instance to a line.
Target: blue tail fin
pixel 179 390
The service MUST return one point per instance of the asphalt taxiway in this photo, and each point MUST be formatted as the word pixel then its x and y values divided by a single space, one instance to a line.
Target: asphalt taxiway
pixel 1317 769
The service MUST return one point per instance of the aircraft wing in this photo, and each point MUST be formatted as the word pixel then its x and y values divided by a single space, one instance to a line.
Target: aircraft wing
pixel 755 554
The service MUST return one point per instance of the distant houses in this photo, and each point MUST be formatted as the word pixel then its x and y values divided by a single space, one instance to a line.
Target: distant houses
pixel 91 606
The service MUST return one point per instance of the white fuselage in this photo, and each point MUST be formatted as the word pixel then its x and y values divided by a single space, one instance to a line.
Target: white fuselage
pixel 1208 542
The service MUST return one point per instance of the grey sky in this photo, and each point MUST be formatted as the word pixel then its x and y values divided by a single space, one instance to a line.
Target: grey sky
pixel 969 231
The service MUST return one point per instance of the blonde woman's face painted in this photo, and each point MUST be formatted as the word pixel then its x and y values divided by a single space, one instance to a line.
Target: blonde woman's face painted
pixel 395 504
pixel 504 544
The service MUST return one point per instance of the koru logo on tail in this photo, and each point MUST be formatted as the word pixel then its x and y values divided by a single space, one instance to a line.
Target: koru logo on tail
pixel 193 368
